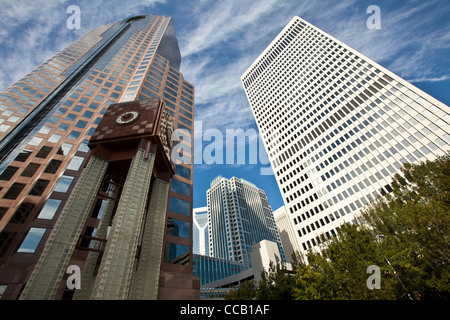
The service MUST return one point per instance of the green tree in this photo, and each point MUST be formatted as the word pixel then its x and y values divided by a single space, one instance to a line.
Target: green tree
pixel 245 291
pixel 339 271
pixel 277 283
pixel 413 223
pixel 405 235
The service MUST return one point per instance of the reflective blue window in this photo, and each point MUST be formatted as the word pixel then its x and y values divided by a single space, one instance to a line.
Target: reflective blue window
pixel 87 114
pixel 180 187
pixel 63 127
pixel 73 135
pixel 32 240
pixel 81 124
pixel 63 184
pixel 49 210
pixel 178 228
pixel 183 172
pixel 176 254
pixel 179 206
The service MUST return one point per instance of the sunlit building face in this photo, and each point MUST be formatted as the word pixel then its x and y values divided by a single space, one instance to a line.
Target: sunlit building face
pixel 336 126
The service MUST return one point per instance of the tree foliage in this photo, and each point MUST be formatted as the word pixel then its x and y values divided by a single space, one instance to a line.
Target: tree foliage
pixel 406 234
pixel 414 224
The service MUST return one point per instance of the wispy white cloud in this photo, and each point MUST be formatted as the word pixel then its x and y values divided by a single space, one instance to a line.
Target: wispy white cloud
pixel 220 39
pixel 436 79
pixel 32 31
pixel 221 21
pixel 227 36
pixel 405 44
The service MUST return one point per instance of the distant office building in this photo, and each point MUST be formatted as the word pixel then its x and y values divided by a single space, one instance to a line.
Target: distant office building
pixel 200 234
pixel 287 233
pixel 239 217
pixel 219 276
pixel 336 126
pixel 263 254
pixel 48 118
pixel 210 269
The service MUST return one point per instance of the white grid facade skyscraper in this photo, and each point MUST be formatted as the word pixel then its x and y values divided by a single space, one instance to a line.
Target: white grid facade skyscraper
pixel 336 127
pixel 239 217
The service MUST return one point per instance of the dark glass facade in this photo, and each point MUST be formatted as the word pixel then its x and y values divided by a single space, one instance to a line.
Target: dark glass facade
pixel 210 269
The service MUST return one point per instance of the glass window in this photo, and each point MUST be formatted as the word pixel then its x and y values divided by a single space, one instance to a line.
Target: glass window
pixel 14 191
pixel 150 86
pixel 35 141
pixel 49 210
pixel 100 206
pixel 30 170
pixel 63 184
pixel 149 79
pixel 73 135
pixel 149 93
pixel 13 119
pixel 39 187
pixel 61 111
pixel 32 240
pixel 180 187
pixel 68 103
pixel 184 112
pixel 64 149
pixel 183 172
pixel 178 228
pixel 81 124
pixel 186 106
pixel 176 254
pixel 75 163
pixel 54 138
pixel 71 117
pixel 179 206
pixel 8 173
pixel 23 155
pixel 43 153
pixel 53 166
pixel 87 114
pixel 2 289
pixel 186 121
pixel 22 212
pixel 128 96
pixel 63 127
pixel 84 146
pixel 45 130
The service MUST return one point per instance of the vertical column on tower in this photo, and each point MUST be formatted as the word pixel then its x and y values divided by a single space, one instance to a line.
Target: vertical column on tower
pixel 51 266
pixel 116 269
pixel 88 276
pixel 146 278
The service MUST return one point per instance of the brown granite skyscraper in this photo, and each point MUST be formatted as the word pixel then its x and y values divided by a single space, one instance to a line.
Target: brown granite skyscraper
pixel 47 120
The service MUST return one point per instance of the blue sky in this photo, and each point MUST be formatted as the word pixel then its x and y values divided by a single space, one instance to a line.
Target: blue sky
pixel 220 39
